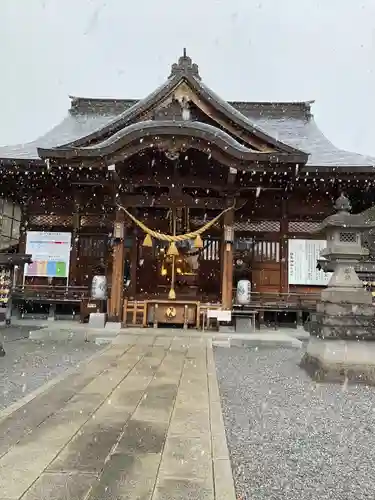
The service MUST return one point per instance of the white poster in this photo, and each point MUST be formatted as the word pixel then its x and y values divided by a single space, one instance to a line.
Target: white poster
pixel 302 263
pixel 50 254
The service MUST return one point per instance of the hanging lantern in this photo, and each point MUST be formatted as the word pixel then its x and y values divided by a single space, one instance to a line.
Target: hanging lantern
pixel 172 250
pixel 147 242
pixel 198 243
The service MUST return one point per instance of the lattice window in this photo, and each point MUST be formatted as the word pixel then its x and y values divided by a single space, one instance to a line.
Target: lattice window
pixel 93 247
pixel 266 251
pixel 95 221
pixel 302 226
pixel 199 221
pixel 266 226
pixel 51 220
pixel 348 237
pixel 211 249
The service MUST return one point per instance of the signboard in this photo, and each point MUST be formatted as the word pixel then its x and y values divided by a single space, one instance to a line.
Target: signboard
pixel 302 262
pixel 50 254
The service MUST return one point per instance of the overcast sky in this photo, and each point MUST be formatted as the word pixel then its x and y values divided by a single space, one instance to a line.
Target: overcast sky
pixel 246 50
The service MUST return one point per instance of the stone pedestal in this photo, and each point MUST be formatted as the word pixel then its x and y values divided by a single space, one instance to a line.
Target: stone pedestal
pixel 97 320
pixel 340 360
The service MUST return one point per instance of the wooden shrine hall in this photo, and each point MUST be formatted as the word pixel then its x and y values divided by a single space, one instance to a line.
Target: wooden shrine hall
pixel 174 198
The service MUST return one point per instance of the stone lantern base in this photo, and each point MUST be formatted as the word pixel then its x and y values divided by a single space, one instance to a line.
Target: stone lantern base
pixel 340 361
pixel 345 321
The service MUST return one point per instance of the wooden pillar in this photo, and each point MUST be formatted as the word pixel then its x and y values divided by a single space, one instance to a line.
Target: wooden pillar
pixel 22 242
pixel 73 272
pixel 227 274
pixel 115 309
pixel 133 264
pixel 284 246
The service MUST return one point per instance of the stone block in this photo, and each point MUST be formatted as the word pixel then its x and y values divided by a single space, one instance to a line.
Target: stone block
pixel 97 320
pixel 337 360
pixel 349 295
pixel 244 325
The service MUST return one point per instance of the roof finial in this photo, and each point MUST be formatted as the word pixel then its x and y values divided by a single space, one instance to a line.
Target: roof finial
pixel 185 66
pixel 342 204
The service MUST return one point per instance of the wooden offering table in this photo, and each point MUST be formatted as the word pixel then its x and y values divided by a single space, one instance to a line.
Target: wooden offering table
pixel 173 312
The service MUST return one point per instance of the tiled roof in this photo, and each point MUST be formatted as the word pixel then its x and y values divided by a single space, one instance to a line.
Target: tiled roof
pixel 291 124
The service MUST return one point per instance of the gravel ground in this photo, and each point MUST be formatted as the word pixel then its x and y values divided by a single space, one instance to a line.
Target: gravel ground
pixel 29 364
pixel 291 438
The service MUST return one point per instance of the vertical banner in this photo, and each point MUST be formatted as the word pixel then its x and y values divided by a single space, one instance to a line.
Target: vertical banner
pixel 50 253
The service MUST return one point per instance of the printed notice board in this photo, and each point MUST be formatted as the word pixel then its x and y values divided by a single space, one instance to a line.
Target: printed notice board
pixel 50 254
pixel 302 262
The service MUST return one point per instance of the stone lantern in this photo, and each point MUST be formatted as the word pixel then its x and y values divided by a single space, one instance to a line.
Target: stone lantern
pixel 340 343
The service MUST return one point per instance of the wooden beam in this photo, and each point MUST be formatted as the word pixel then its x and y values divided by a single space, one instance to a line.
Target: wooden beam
pixel 167 201
pixel 166 181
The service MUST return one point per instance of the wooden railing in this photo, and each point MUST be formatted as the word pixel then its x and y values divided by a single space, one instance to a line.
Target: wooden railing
pixel 50 293
pixel 282 300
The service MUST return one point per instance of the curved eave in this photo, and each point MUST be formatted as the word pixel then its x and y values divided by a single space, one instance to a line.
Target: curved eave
pixel 190 132
pixel 135 112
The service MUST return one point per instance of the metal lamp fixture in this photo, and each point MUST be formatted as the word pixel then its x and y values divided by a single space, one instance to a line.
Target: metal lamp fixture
pixel 118 230
pixel 228 234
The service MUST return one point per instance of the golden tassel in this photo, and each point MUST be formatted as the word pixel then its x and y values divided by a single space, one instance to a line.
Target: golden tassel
pixel 172 294
pixel 147 242
pixel 172 250
pixel 198 243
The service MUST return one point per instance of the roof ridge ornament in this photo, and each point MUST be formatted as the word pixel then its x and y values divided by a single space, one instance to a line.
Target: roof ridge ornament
pixel 185 66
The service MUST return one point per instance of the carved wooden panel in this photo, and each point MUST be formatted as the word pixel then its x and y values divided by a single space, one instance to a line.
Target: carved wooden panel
pixel 96 221
pixel 49 221
pixel 302 226
pixel 264 226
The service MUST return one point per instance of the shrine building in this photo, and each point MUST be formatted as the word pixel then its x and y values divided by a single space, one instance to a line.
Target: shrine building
pixel 174 198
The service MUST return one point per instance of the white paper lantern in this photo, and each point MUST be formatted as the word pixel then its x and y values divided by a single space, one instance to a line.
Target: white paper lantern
pixel 99 288
pixel 244 292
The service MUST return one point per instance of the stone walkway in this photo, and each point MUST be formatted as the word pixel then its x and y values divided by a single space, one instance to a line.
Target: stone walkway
pixel 142 420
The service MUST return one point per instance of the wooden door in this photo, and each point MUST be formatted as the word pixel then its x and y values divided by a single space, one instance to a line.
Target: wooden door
pixel 265 269
pixel 210 269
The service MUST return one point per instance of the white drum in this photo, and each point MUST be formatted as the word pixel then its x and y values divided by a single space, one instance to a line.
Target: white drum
pixel 244 292
pixel 99 288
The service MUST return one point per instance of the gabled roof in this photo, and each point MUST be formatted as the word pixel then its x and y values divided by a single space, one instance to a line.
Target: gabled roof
pixel 290 127
pixel 183 72
pixel 144 133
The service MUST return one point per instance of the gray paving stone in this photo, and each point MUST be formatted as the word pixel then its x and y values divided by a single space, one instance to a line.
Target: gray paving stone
pixel 182 489
pixel 28 417
pixel 153 408
pixel 167 391
pixel 190 422
pixel 224 485
pixel 21 466
pixel 187 457
pixel 89 449
pixel 128 477
pixel 142 437
pixel 113 431
pixel 61 487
